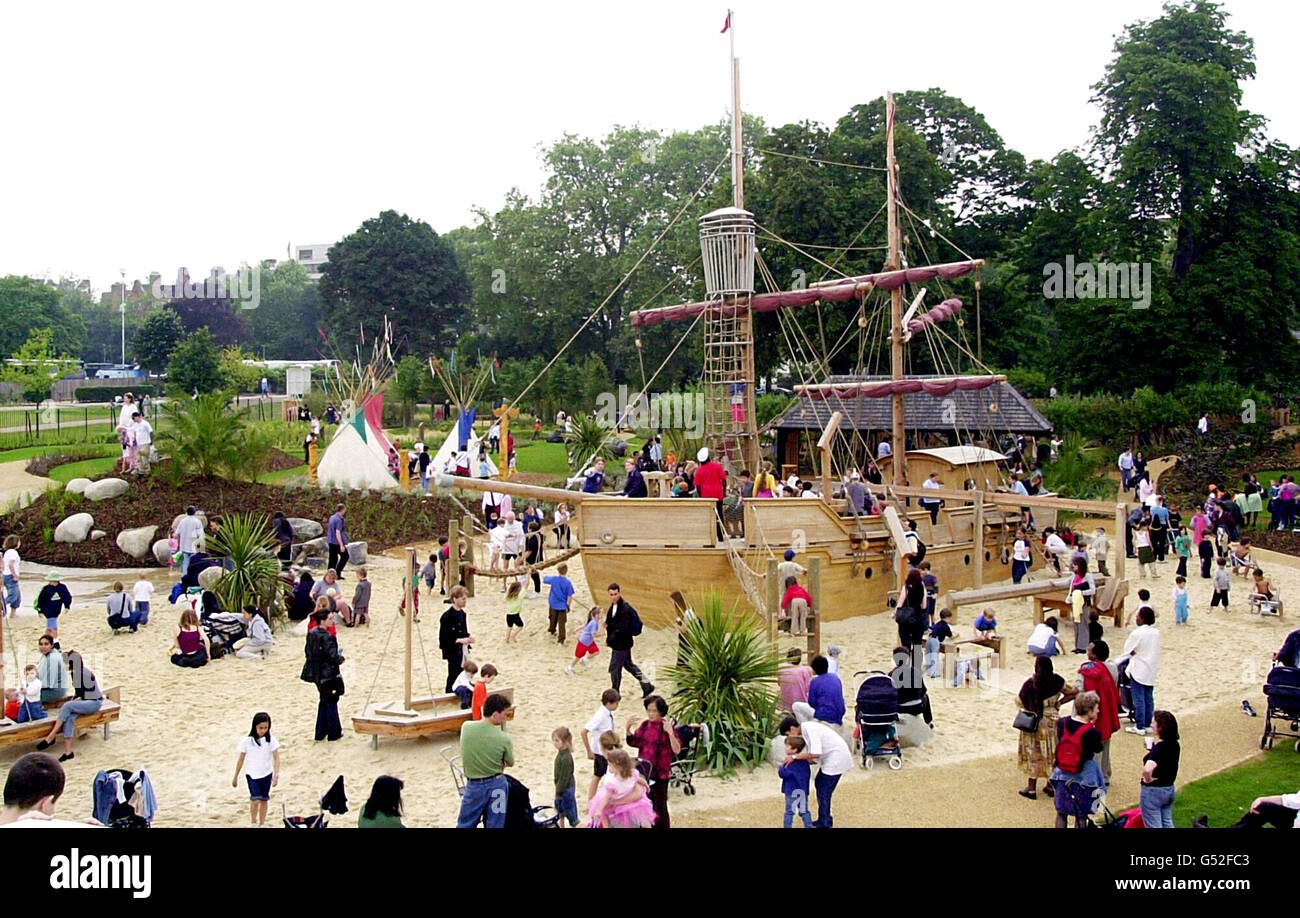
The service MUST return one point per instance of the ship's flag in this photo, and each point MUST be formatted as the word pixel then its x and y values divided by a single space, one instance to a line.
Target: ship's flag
pixel 726 25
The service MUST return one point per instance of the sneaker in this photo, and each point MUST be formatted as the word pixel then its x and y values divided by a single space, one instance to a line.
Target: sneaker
pixel 1201 822
pixel 569 669
pixel 1247 709
pixel 1134 730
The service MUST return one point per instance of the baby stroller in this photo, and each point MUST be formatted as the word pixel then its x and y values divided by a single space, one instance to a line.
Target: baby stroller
pixel 223 630
pixel 124 799
pixel 335 800
pixel 520 812
pixel 694 740
pixel 1282 688
pixel 875 713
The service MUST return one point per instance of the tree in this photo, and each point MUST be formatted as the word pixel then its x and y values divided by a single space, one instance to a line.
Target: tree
pixel 396 268
pixel 29 305
pixel 38 366
pixel 411 381
pixel 158 335
pixel 195 365
pixel 225 321
pixel 203 438
pixel 284 323
pixel 237 375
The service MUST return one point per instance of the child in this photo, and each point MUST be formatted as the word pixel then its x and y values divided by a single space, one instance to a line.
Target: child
pixel 931 584
pixel 934 643
pixel 833 660
pixel 119 609
pixel 28 696
pixel 558 601
pixel 415 594
pixel 795 775
pixel 1183 548
pixel 262 751
pixel 566 800
pixel 1095 630
pixel 485 677
pixel 361 598
pixel 444 555
pixel 142 593
pixel 514 611
pixel 985 626
pixel 622 801
pixel 1100 548
pixel 1222 582
pixel 1146 554
pixel 587 640
pixel 1144 602
pixel 601 723
pixel 1180 600
pixel 429 572
pixel 1240 558
pixel 463 687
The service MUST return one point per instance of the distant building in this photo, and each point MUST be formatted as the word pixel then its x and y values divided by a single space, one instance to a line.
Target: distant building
pixel 313 257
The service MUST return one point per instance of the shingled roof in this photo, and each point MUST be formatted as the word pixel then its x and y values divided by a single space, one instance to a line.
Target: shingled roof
pixel 921 412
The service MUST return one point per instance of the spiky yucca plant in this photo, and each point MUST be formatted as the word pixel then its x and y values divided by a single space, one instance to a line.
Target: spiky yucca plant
pixel 588 442
pixel 253 580
pixel 728 680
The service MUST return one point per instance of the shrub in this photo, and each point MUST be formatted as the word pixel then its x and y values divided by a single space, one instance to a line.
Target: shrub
pixel 245 540
pixel 108 393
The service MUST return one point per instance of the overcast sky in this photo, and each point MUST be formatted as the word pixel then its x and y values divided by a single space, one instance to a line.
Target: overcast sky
pixel 148 137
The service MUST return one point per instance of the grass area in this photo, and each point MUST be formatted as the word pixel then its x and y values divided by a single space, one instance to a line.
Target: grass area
pixel 279 478
pixel 540 456
pixel 31 452
pixel 87 468
pixel 1226 796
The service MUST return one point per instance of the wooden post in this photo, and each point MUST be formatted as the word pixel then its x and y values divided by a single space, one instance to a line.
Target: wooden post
pixel 773 599
pixel 313 461
pixel 893 263
pixel 815 588
pixel 977 534
pixel 403 468
pixel 1121 520
pixel 504 414
pixel 824 446
pixel 453 552
pixel 409 599
pixel 467 526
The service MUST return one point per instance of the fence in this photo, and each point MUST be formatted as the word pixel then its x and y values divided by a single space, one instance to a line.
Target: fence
pixel 55 423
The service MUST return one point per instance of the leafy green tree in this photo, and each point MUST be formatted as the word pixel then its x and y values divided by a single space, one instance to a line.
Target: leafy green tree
pixel 28 305
pixel 237 375
pixel 224 319
pixel 158 335
pixel 203 438
pixel 396 268
pixel 284 323
pixel 39 366
pixel 195 365
pixel 411 382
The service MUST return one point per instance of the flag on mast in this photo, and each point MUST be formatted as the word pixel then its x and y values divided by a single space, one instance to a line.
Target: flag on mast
pixel 726 25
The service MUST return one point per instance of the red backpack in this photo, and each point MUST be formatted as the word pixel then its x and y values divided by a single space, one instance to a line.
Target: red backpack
pixel 1069 751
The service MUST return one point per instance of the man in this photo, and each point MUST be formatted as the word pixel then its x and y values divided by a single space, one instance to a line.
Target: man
pixel 635 485
pixel 265 388
pixel 188 532
pixel 1018 487
pixel 1203 425
pixel 594 478
pixel 711 482
pixel 1125 469
pixel 485 753
pixel 336 538
pixel 884 450
pixel 143 432
pixel 494 436
pixel 932 504
pixel 856 492
pixel 827 748
pixel 33 787
pixel 1142 650
pixel 657 452
pixel 1281 812
pixel 622 625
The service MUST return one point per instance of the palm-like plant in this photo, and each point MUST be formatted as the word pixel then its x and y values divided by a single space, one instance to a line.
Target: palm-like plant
pixel 727 679
pixel 204 438
pixel 252 577
pixel 587 443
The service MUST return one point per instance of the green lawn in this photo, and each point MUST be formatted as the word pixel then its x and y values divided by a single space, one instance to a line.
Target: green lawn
pixel 87 468
pixel 279 478
pixel 31 452
pixel 1225 796
pixel 540 456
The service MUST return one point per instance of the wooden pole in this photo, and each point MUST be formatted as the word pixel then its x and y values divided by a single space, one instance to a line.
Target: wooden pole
pixel 403 468
pixel 773 599
pixel 824 446
pixel 815 589
pixel 977 536
pixel 899 437
pixel 1121 521
pixel 453 552
pixel 313 461
pixel 409 599
pixel 504 414
pixel 467 526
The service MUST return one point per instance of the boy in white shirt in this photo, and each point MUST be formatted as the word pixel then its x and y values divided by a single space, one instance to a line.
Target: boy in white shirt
pixel 143 432
pixel 141 593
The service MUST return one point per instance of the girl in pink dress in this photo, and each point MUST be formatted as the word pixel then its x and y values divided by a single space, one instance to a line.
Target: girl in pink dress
pixel 622 800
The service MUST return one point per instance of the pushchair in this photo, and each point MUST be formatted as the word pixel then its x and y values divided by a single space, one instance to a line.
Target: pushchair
pixel 334 800
pixel 520 812
pixel 876 713
pixel 223 630
pixel 694 740
pixel 123 799
pixel 1282 688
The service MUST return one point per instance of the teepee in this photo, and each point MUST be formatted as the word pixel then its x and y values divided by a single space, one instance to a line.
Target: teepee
pixel 463 432
pixel 357 456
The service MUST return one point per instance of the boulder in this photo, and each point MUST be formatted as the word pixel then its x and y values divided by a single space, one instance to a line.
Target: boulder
pixel 305 529
pixel 75 528
pixel 77 485
pixel 313 548
pixel 356 552
pixel 161 553
pixel 97 534
pixel 137 542
pixel 106 488
pixel 210 575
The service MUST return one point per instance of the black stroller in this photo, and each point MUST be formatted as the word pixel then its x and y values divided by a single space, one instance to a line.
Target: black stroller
pixel 695 741
pixel 223 630
pixel 334 800
pixel 1282 688
pixel 876 713
pixel 520 812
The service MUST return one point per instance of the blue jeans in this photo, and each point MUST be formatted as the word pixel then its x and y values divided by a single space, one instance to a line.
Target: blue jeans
pixel 567 806
pixel 932 657
pixel 13 598
pixel 1143 704
pixel 796 804
pixel 825 785
pixel 1157 805
pixel 31 710
pixel 484 797
pixel 185 562
pixel 1051 650
pixel 1018 569
pixel 68 714
pixel 142 613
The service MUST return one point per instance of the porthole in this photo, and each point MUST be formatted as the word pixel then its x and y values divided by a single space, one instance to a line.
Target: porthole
pixel 607 537
pixel 867 573
pixel 987 556
pixel 968 560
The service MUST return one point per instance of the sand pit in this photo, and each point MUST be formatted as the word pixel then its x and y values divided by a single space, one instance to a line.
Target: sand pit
pixel 184 725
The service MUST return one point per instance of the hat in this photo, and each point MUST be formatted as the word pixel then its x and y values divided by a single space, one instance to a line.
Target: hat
pixel 52 577
pixel 702 455
pixel 789 554
pixel 855 475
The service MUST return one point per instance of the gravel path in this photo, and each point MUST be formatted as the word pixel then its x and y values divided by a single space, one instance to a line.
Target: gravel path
pixel 14 482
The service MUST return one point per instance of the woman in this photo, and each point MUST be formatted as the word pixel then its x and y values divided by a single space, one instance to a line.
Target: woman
pixel 1043 641
pixel 300 602
pixel 258 643
pixel 52 671
pixel 190 643
pixel 1139 469
pixel 1077 780
pixel 792 680
pixel 1254 500
pixel 1146 491
pixel 383 810
pixel 534 550
pixel 87 699
pixel 1159 771
pixel 1041 694
pixel 283 533
pixel 562 517
pixel 321 668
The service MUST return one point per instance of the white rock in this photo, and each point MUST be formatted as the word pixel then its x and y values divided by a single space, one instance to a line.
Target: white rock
pixel 311 549
pixel 75 528
pixel 136 542
pixel 97 534
pixel 77 486
pixel 210 575
pixel 161 553
pixel 357 552
pixel 305 529
pixel 106 488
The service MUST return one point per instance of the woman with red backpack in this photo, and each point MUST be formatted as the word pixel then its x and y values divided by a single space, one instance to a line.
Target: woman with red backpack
pixel 1077 777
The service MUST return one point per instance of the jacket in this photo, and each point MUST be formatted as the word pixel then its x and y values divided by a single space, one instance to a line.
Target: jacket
pixel 53 672
pixel 323 657
pixel 283 530
pixel 618 627
pixel 451 627
pixel 1096 678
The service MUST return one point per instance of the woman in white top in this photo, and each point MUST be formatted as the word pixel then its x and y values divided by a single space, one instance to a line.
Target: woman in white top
pixel 128 408
pixel 562 517
pixel 1146 490
pixel 10 565
pixel 1020 557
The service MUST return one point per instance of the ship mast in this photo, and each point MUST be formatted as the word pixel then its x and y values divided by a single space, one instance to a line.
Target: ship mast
pixel 899 437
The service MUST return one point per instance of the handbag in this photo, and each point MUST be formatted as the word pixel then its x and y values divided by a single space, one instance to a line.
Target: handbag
pixel 1026 721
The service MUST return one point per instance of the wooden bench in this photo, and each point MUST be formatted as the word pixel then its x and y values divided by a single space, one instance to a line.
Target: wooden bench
pixel 14 734
pixel 1109 600
pixel 428 715
pixel 996 643
pixel 951 656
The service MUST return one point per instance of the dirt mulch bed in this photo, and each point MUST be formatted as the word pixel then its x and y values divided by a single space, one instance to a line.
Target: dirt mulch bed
pixel 282 461
pixel 379 520
pixel 1286 542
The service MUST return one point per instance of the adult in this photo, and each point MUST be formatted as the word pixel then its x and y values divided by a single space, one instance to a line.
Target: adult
pixel 299 603
pixel 1125 469
pixel 53 600
pixel 129 409
pixel 656 742
pixel 383 808
pixel 884 450
pixel 932 503
pixel 283 532
pixel 1203 425
pixel 711 482
pixel 1288 655
pixel 1281 812
pixel 1077 777
pixel 190 647
pixel 1159 771
pixel 856 493
pixel 1142 651
pixel 793 680
pixel 453 633
pixel 825 746
pixel 322 587
pixel 52 671
pixel 10 565
pixel 321 668
pixel 423 461
pixel 87 699
pixel 562 517
pixel 635 485
pixel 1083 583
pixel 1041 695
pixel 189 532
pixel 485 753
pixel 32 789
pixel 336 539
pixel 1043 641
pixel 594 478
pixel 1139 466
pixel 1021 559
pixel 622 625
pixel 826 693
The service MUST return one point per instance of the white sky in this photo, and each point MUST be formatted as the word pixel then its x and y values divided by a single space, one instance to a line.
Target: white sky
pixel 148 137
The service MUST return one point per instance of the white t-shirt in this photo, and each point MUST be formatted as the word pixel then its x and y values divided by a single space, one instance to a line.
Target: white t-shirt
pixel 142 590
pixel 833 665
pixel 1041 635
pixel 1020 551
pixel 11 563
pixel 35 819
pixel 1056 545
pixel 826 742
pixel 143 431
pixel 30 691
pixel 601 722
pixel 1144 646
pixel 259 757
pixel 189 530
pixel 933 485
pixel 513 540
pixel 462 681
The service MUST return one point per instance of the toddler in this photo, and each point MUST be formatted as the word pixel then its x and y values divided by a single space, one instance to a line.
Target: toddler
pixel 795 776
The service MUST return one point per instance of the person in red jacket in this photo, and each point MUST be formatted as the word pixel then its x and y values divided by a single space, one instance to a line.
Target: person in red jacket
pixel 1096 676
pixel 795 605
pixel 711 482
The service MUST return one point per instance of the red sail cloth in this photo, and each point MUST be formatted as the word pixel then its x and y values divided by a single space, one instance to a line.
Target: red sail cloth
pixel 888 387
pixel 944 311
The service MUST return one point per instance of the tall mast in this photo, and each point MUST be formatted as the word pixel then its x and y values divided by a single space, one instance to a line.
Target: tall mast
pixel 895 296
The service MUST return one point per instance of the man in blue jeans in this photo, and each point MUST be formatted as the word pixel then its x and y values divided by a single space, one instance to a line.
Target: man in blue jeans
pixel 823 745
pixel 1142 651
pixel 485 752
